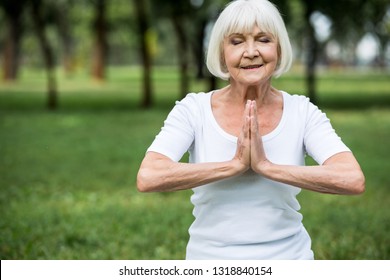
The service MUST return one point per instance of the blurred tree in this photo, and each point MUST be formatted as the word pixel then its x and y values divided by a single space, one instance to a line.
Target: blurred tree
pixel 121 36
pixel 200 24
pixel 178 15
pixel 40 14
pixel 311 51
pixel 178 12
pixel 284 8
pixel 206 12
pixel 100 44
pixel 13 11
pixel 373 16
pixel 63 10
pixel 345 29
pixel 144 28
pixel 190 20
pixel 377 13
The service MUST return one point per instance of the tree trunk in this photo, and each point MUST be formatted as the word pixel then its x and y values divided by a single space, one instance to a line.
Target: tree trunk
pixel 143 27
pixel 64 32
pixel 199 48
pixel 47 52
pixel 12 47
pixel 312 53
pixel 100 48
pixel 382 51
pixel 182 51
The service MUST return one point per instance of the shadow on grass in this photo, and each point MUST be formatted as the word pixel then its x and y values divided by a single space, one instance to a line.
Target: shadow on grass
pixel 359 101
pixel 26 102
pixel 22 101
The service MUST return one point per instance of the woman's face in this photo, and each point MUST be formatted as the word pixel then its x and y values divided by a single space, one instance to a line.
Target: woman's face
pixel 250 58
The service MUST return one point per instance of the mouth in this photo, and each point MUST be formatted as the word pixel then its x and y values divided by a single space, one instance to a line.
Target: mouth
pixel 255 66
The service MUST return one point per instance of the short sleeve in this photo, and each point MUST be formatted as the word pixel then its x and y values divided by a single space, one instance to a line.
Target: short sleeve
pixel 320 139
pixel 177 134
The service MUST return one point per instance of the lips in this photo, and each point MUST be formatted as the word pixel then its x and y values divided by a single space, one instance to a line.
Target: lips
pixel 252 66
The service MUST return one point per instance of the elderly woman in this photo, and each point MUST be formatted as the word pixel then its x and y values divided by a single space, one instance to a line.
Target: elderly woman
pixel 247 144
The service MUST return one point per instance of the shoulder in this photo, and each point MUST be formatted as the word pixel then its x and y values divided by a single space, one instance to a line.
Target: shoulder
pixel 194 102
pixel 300 107
pixel 295 99
pixel 298 103
pixel 192 99
pixel 190 108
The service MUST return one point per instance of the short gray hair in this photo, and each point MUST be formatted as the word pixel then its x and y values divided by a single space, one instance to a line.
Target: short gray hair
pixel 240 16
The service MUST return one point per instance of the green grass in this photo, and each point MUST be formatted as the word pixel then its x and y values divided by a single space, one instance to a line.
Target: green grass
pixel 345 227
pixel 67 178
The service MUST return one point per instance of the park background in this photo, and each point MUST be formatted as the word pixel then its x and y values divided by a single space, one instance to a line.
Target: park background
pixel 85 86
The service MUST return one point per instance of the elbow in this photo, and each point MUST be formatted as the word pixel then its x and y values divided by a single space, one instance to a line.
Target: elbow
pixel 143 182
pixel 362 184
pixel 358 183
pixel 141 187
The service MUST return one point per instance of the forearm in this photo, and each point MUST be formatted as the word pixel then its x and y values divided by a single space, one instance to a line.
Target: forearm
pixel 158 175
pixel 333 179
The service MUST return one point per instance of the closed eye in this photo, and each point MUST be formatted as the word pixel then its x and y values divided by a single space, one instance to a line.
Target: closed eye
pixel 236 41
pixel 264 40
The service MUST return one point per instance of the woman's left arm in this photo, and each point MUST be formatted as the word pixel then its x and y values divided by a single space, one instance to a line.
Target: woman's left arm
pixel 339 174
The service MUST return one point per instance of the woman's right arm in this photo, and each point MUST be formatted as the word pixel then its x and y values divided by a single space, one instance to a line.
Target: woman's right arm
pixel 159 173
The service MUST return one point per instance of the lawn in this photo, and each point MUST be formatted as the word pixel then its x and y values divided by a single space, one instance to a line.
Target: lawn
pixel 67 178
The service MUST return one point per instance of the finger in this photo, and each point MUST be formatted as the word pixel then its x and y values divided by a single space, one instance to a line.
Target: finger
pixel 254 107
pixel 246 120
pixel 255 123
pixel 253 129
pixel 244 136
pixel 247 109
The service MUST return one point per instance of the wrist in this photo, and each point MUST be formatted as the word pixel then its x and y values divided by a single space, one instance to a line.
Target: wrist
pixel 263 168
pixel 237 167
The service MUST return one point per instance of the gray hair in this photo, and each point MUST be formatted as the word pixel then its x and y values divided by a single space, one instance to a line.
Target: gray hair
pixel 240 16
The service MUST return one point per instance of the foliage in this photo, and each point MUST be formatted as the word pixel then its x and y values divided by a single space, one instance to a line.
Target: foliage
pixel 122 30
pixel 67 178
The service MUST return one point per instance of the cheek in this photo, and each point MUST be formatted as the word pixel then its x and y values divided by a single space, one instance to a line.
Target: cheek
pixel 232 58
pixel 272 53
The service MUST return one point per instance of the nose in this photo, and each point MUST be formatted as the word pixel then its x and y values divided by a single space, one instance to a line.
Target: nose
pixel 251 51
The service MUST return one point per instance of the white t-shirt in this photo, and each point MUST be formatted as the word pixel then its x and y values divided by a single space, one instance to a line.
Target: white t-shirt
pixel 247 216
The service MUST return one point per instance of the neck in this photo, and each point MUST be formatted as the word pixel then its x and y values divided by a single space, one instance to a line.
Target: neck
pixel 260 93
